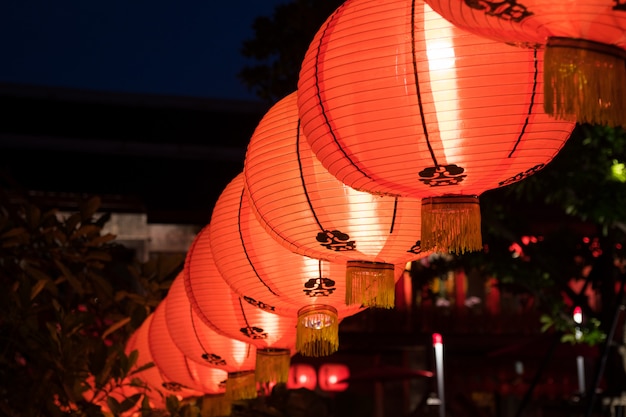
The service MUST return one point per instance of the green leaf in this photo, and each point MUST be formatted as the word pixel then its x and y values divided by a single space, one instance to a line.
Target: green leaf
pixel 142 368
pixel 114 405
pixel 67 274
pixel 17 231
pixel 115 326
pixel 89 208
pixel 33 216
pixel 39 285
pixel 129 402
pixel 85 230
pixel 172 404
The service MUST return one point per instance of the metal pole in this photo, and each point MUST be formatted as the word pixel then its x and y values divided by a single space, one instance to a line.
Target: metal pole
pixel 438 345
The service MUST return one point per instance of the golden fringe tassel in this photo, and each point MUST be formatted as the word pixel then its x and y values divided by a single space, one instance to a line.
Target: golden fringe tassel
pixel 272 365
pixel 215 405
pixel 317 332
pixel 241 386
pixel 370 284
pixel 451 224
pixel 585 82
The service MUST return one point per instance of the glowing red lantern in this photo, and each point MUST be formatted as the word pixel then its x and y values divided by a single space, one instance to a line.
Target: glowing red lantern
pixel 157 386
pixel 310 212
pixel 174 365
pixel 206 346
pixel 222 309
pixel 332 377
pixel 302 375
pixel 271 277
pixel 585 47
pixel 395 100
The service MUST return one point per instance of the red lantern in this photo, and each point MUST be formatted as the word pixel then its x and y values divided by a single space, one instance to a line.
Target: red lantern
pixel 273 278
pixel 221 308
pixel 174 365
pixel 323 218
pixel 157 387
pixel 302 375
pixel 206 346
pixel 395 100
pixel 332 377
pixel 584 44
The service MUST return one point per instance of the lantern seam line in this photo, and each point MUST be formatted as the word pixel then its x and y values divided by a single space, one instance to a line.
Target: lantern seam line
pixel 193 326
pixel 243 244
pixel 318 95
pixel 306 192
pixel 417 87
pixel 530 106
pixel 243 313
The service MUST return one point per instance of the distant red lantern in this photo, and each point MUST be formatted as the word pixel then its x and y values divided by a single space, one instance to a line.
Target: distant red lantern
pixel 585 49
pixel 206 346
pixel 332 377
pixel 157 386
pixel 395 100
pixel 174 365
pixel 312 213
pixel 302 375
pixel 273 278
pixel 222 309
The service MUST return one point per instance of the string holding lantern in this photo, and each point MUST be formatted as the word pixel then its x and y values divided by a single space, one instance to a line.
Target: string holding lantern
pixel 311 213
pixel 407 104
pixel 585 49
pixel 271 277
pixel 204 345
pixel 273 336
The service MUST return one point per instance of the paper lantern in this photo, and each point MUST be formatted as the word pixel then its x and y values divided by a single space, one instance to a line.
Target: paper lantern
pixel 174 365
pixel 395 100
pixel 302 375
pixel 204 345
pixel 332 377
pixel 310 212
pixel 271 277
pixel 222 309
pixel 157 386
pixel 584 43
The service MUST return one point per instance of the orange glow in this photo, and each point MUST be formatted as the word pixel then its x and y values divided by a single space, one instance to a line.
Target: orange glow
pixel 280 167
pixel 302 375
pixel 330 376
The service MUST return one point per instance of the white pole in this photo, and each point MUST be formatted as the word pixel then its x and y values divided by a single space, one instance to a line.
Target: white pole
pixel 438 345
pixel 580 361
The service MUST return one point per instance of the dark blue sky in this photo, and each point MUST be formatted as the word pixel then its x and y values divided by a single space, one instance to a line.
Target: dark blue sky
pixel 188 48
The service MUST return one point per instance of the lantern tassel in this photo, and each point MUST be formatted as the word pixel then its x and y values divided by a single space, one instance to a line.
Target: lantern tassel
pixel 585 82
pixel 216 405
pixel 272 365
pixel 370 284
pixel 451 224
pixel 317 332
pixel 241 386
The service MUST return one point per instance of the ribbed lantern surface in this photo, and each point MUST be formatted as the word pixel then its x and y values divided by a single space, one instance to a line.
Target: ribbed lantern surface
pixel 158 386
pixel 395 100
pixel 174 365
pixel 271 277
pixel 274 336
pixel 205 345
pixel 310 212
pixel 584 43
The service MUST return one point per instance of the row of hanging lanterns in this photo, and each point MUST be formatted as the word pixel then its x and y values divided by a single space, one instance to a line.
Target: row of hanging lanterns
pixel 400 121
pixel 395 100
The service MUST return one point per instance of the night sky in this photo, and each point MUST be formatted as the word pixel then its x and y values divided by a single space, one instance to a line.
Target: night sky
pixel 186 48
